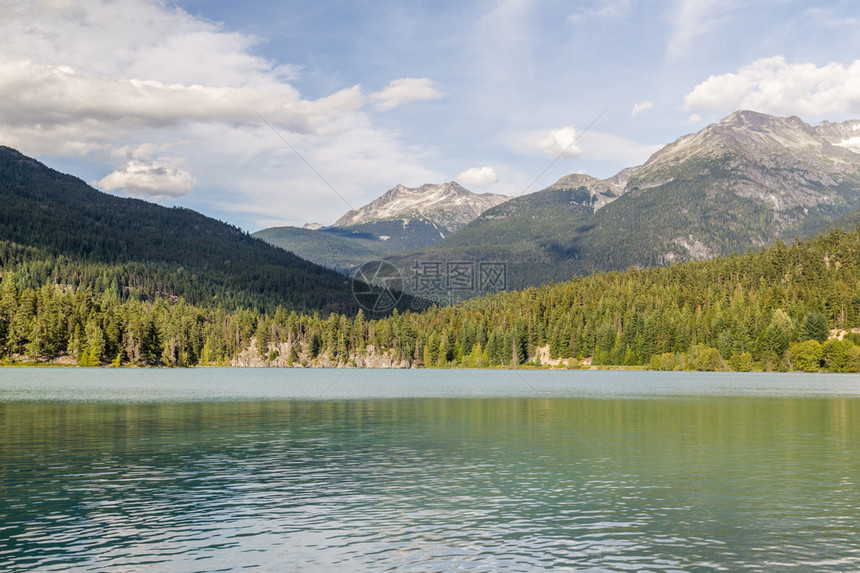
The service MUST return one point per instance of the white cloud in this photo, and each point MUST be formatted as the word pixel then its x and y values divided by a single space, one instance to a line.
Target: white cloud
pixel 51 96
pixel 503 46
pixel 557 143
pixel 694 118
pixel 691 20
pixel 133 85
pixel 150 179
pixel 135 39
pixel 478 176
pixel 405 90
pixel 641 106
pixel 608 10
pixel 772 85
pixel 829 18
pixel 603 146
pixel 260 177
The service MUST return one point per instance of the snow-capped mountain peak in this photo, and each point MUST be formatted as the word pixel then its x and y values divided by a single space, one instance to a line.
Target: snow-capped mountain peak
pixel 447 205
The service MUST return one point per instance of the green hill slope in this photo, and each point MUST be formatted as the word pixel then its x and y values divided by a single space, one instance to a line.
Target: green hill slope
pixel 330 250
pixel 56 228
pixel 533 235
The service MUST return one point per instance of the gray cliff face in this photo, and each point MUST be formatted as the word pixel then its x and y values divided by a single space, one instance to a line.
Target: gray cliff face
pixel 845 134
pixel 781 162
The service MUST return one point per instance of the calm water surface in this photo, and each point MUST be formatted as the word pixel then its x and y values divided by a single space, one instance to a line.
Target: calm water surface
pixel 272 470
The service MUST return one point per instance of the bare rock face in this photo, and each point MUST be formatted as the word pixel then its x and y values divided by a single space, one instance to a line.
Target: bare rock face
pixel 738 184
pixel 447 206
pixel 780 161
pixel 293 355
pixel 797 176
pixel 845 134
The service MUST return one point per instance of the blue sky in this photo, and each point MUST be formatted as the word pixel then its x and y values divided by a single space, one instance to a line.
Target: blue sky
pixel 265 113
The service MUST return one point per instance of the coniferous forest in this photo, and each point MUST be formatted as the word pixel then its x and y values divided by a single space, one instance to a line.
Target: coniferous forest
pixel 782 308
pixel 56 228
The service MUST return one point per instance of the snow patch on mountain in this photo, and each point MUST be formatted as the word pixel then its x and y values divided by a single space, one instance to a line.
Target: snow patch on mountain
pixel 447 206
pixel 851 144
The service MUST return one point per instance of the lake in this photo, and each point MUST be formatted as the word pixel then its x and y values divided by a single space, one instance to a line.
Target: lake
pixel 427 470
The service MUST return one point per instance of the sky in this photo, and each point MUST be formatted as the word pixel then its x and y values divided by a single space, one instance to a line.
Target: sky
pixel 264 113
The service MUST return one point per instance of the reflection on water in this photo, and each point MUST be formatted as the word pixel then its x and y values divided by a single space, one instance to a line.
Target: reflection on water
pixel 516 484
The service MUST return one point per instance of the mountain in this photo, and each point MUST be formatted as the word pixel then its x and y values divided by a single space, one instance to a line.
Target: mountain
pixel 541 218
pixel 737 184
pixel 403 218
pixel 604 191
pixel 448 206
pixel 54 228
pixel 845 134
pixel 522 233
pixel 528 233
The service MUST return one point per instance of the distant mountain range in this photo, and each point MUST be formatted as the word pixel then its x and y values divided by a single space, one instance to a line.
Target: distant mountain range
pixel 737 184
pixel 448 207
pixel 401 219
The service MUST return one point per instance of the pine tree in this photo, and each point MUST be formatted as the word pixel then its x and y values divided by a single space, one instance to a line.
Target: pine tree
pixel 814 327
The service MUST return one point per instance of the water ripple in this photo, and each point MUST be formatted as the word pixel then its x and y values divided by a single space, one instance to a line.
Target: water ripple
pixel 429 485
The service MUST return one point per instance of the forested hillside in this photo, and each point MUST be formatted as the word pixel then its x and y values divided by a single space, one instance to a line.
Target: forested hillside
pixel 770 310
pixel 536 235
pixel 55 229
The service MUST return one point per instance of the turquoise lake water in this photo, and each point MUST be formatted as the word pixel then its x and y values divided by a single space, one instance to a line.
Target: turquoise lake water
pixel 428 470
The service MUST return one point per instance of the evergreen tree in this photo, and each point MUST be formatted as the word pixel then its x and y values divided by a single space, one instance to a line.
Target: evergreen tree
pixel 814 327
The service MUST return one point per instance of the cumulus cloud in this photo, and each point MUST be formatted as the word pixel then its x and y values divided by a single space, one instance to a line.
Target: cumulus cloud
pixel 130 85
pixel 773 85
pixel 557 143
pixel 60 95
pixel 478 176
pixel 644 105
pixel 150 179
pixel 405 90
pixel 137 39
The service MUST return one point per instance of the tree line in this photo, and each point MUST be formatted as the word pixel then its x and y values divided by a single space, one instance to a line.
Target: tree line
pixel 768 310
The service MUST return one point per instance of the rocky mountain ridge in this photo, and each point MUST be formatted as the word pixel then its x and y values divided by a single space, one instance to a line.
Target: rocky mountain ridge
pixel 797 172
pixel 845 134
pixel 603 191
pixel 447 206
